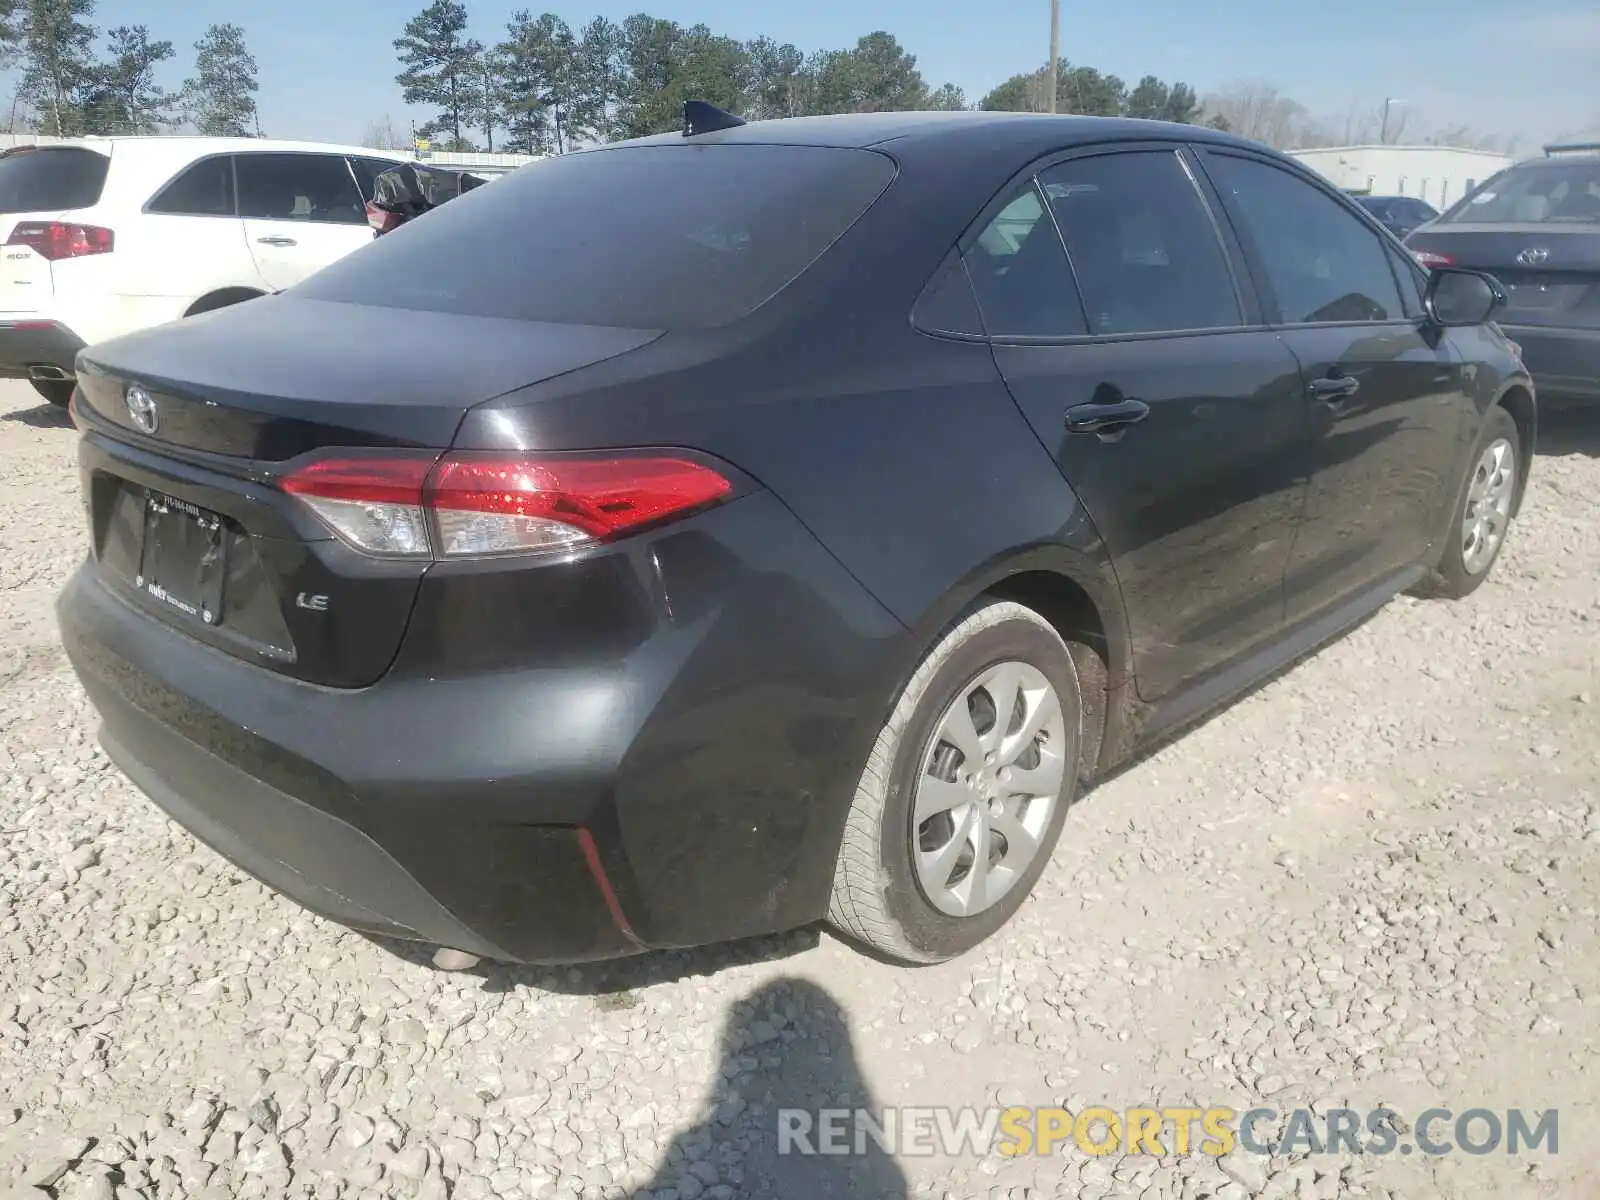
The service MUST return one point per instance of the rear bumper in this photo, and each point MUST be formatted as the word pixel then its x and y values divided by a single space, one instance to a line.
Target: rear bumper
pixel 441 875
pixel 25 344
pixel 691 788
pixel 1564 363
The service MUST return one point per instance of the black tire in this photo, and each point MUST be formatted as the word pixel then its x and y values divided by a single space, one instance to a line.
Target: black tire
pixel 877 899
pixel 57 391
pixel 1450 579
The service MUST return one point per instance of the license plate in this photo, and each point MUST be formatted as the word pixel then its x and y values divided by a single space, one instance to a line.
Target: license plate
pixel 1532 295
pixel 181 559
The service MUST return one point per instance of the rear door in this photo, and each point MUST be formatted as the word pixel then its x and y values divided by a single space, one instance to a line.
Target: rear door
pixel 1175 417
pixel 1381 385
pixel 192 241
pixel 39 184
pixel 301 212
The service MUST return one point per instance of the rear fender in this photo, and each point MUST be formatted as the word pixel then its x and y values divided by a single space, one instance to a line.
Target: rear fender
pixel 1090 569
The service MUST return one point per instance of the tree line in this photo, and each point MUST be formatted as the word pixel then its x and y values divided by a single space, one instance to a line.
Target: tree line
pixel 73 83
pixel 542 86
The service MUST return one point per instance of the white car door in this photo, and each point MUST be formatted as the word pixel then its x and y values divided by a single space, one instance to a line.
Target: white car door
pixel 301 212
pixel 189 241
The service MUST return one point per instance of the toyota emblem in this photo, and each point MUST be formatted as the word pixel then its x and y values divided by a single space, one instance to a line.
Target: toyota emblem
pixel 1533 256
pixel 142 410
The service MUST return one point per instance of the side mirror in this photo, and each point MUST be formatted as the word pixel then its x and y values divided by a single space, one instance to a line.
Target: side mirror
pixel 1457 297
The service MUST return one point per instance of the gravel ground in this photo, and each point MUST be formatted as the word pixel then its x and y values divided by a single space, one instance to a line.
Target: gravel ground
pixel 1375 880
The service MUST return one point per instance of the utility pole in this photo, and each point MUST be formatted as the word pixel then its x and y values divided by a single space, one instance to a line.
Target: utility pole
pixel 1055 52
pixel 1383 131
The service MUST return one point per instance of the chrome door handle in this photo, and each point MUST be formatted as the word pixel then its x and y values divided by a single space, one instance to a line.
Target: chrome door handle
pixel 277 241
pixel 1098 418
pixel 1335 387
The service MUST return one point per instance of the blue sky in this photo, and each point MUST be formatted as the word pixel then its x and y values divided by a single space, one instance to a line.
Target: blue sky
pixel 327 68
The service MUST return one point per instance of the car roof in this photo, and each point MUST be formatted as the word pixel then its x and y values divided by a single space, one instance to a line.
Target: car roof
pixel 198 145
pixel 1019 131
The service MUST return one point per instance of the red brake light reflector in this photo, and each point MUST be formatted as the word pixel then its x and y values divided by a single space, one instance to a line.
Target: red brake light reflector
pixel 60 239
pixel 382 220
pixel 1432 258
pixel 601 496
pixel 380 479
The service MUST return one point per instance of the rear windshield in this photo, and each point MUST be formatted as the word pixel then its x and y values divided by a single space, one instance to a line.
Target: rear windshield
pixel 642 237
pixel 50 179
pixel 1535 194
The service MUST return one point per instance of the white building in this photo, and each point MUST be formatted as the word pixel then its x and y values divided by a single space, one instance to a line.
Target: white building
pixel 1441 175
pixel 477 163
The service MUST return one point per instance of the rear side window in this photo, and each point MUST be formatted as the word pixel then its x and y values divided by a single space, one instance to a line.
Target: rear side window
pixel 299 187
pixel 642 237
pixel 204 190
pixel 50 179
pixel 948 305
pixel 1142 246
pixel 1324 265
pixel 1019 271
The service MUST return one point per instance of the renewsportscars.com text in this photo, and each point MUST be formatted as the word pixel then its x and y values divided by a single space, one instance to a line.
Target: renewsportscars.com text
pixel 1215 1131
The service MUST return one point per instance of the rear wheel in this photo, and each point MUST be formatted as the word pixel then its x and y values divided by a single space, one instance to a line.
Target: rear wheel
pixel 1483 512
pixel 57 391
pixel 965 792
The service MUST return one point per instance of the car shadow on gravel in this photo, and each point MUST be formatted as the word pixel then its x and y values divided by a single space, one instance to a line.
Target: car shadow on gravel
pixel 44 416
pixel 786 1056
pixel 1573 430
pixel 613 979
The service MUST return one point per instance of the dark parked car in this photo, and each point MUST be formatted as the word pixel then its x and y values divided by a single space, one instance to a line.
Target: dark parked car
pixel 563 576
pixel 1399 214
pixel 1536 227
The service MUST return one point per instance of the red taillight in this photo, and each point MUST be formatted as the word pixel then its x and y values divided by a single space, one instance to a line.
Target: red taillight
pixel 381 220
pixel 58 239
pixel 380 479
pixel 466 505
pixel 1432 258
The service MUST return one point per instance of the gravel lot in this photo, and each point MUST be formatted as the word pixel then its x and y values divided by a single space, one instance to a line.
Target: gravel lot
pixel 1376 880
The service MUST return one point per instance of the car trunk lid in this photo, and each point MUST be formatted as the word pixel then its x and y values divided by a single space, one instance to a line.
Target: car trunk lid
pixel 190 428
pixel 1551 272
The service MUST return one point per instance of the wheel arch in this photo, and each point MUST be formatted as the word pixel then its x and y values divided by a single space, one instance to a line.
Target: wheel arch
pixel 1517 399
pixel 222 298
pixel 1078 595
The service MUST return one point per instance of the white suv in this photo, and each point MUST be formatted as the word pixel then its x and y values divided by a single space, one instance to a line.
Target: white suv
pixel 110 235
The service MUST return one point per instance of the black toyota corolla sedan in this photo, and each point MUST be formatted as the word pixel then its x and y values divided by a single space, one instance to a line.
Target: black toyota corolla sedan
pixel 716 533
pixel 1536 226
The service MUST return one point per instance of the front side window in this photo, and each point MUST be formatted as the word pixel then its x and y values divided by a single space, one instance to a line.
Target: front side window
pixel 1322 264
pixel 1020 274
pixel 204 190
pixel 1146 256
pixel 299 187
